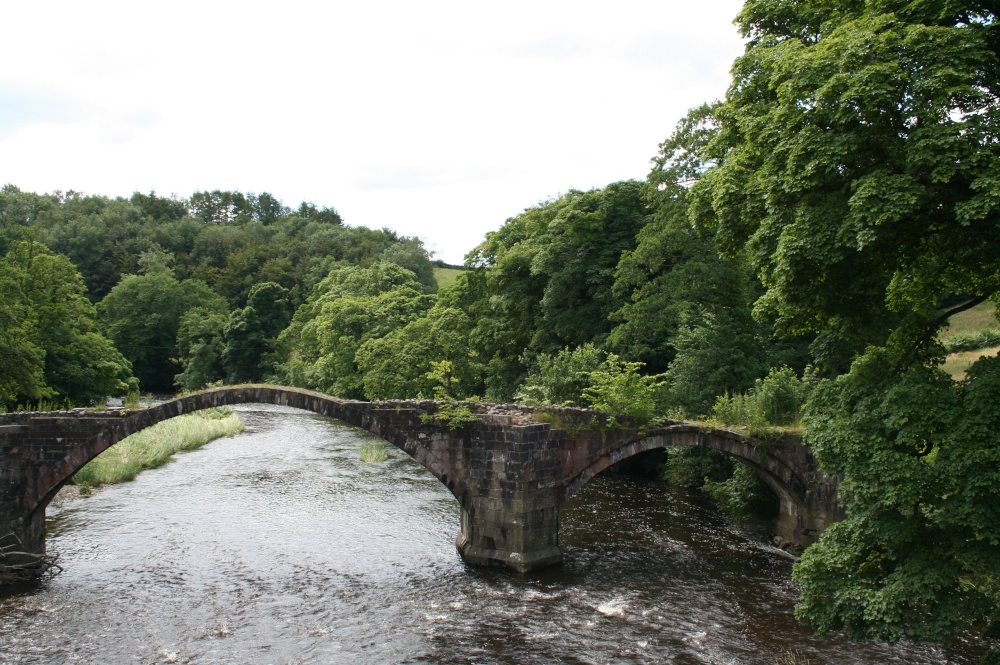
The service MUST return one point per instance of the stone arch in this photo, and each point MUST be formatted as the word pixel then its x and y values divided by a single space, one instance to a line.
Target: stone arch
pixel 384 419
pixel 778 475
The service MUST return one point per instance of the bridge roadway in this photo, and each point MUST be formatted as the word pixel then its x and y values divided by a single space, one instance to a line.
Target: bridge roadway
pixel 510 471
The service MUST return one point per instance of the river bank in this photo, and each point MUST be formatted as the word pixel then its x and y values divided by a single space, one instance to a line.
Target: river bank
pixel 155 446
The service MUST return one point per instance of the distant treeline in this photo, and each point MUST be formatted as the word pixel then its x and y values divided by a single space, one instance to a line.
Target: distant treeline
pixel 87 276
pixel 230 287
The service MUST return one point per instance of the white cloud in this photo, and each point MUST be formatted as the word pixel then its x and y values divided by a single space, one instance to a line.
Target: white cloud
pixel 438 119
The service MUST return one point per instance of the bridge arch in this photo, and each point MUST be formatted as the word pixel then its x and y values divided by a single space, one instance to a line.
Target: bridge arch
pixel 364 415
pixel 790 489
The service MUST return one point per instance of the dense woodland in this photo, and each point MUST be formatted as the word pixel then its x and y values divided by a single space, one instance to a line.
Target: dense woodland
pixel 801 242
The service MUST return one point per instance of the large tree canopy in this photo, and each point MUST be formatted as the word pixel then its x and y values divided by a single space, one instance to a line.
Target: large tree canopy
pixel 547 275
pixel 858 167
pixel 919 553
pixel 859 164
pixel 348 308
pixel 50 343
pixel 252 331
pixel 142 315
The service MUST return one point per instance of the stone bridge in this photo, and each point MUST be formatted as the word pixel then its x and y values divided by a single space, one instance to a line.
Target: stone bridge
pixel 511 470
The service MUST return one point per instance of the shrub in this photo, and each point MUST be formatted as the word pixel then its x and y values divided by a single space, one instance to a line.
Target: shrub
pixel 454 414
pixel 743 495
pixel 776 399
pixel 560 380
pixel 738 409
pixel 619 388
pixel 972 340
pixel 780 396
pixel 373 451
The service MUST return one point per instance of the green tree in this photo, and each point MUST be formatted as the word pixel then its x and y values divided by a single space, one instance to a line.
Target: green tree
pixel 560 379
pixel 348 308
pixel 200 345
pixel 22 361
pixel 858 161
pixel 399 364
pixel 618 387
pixel 142 316
pixel 18 213
pixel 409 253
pixel 102 237
pixel 79 364
pixel 674 274
pixel 544 280
pixel 252 331
pixel 582 243
pixel 919 553
pixel 717 353
pixel 221 207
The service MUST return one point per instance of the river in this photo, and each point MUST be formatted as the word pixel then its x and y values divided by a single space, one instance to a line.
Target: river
pixel 280 546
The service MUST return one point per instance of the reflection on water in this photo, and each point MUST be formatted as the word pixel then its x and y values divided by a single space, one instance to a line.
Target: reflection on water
pixel 280 546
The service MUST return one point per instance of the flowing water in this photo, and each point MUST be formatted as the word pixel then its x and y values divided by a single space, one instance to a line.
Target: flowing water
pixel 280 546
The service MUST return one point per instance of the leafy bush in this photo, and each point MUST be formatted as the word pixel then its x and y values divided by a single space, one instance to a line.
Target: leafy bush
pixel 617 387
pixel 776 399
pixel 972 340
pixel 716 352
pixel 587 376
pixel 560 379
pixel 780 396
pixel 456 415
pixel 739 409
pixel 743 495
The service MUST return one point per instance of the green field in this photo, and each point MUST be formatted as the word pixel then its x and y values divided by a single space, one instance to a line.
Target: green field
pixel 446 276
pixel 957 364
pixel 980 317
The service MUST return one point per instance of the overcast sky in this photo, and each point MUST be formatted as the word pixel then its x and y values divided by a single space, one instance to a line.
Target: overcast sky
pixel 436 119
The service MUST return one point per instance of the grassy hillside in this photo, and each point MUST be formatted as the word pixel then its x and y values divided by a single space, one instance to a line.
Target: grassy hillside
pixel 980 317
pixel 446 276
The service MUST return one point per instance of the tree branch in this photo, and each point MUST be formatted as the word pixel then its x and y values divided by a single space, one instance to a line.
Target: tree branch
pixel 16 563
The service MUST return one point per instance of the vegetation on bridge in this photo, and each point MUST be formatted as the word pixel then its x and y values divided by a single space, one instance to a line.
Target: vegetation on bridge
pixel 804 240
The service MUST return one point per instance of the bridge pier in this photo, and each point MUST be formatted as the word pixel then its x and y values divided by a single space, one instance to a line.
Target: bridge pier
pixel 800 523
pixel 510 500
pixel 524 542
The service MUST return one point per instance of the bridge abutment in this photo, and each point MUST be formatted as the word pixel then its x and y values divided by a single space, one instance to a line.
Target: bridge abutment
pixel 23 535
